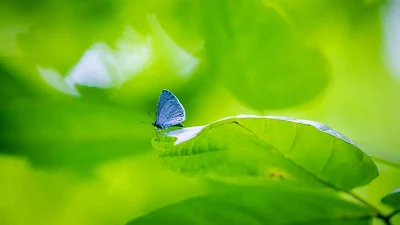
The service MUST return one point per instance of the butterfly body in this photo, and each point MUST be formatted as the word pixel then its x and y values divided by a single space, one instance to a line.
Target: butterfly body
pixel 170 111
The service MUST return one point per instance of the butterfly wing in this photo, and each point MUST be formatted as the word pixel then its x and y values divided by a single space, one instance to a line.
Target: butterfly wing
pixel 164 97
pixel 170 111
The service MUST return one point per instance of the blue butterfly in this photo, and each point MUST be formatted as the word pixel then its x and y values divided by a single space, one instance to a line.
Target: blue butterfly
pixel 170 111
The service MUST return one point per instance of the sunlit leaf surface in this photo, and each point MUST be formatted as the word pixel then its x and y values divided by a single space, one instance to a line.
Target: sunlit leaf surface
pixel 268 149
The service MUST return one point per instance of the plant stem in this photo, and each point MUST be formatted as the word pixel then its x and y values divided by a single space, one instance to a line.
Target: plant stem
pixel 386 219
pixel 378 213
pixel 393 213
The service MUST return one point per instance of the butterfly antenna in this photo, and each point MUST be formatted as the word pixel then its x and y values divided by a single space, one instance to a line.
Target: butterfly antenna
pixel 150 115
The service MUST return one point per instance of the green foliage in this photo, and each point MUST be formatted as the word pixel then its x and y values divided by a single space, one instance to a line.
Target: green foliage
pixel 87 159
pixel 272 65
pixel 268 149
pixel 261 205
pixel 297 170
pixel 74 135
pixel 392 199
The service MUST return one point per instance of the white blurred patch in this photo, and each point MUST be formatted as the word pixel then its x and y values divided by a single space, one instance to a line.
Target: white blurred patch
pixel 133 53
pixel 182 62
pixel 96 68
pixel 391 25
pixel 103 67
pixel 54 79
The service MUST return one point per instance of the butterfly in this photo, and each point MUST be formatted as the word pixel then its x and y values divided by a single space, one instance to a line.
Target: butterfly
pixel 170 111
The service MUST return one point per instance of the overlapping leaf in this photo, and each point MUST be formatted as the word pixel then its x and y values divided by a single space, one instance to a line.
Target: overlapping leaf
pixel 256 44
pixel 261 205
pixel 393 199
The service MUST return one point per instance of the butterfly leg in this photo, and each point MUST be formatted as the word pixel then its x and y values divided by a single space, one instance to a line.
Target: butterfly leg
pixel 167 129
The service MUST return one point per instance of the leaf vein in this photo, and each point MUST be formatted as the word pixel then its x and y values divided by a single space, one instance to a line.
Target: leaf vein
pixel 308 172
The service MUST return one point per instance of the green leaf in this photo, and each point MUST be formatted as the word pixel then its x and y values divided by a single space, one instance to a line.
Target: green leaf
pixel 71 133
pixel 272 65
pixel 261 205
pixel 392 199
pixel 247 149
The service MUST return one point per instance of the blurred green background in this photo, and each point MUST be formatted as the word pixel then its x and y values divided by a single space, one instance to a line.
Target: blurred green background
pixel 78 77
